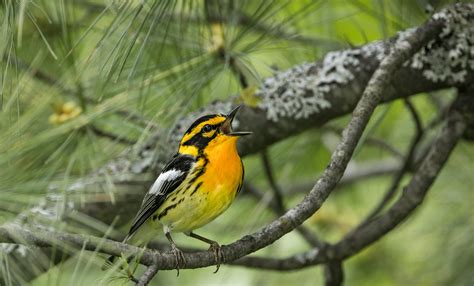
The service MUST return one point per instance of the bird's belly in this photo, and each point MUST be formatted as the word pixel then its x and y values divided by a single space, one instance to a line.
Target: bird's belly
pixel 195 207
pixel 198 210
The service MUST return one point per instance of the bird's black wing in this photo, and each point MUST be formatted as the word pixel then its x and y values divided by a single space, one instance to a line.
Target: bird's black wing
pixel 172 175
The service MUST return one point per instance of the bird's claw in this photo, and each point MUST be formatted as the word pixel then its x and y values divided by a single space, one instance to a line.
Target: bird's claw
pixel 216 249
pixel 179 255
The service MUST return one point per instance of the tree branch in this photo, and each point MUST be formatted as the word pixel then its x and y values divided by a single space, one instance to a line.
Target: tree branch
pixel 413 193
pixel 372 141
pixel 364 235
pixel 117 138
pixel 333 273
pixel 354 173
pixel 277 193
pixel 408 162
pixel 146 278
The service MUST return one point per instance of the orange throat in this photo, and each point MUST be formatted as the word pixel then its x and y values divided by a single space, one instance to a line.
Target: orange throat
pixel 224 164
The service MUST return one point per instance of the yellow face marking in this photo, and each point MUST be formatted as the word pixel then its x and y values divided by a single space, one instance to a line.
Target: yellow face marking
pixel 189 150
pixel 209 134
pixel 213 121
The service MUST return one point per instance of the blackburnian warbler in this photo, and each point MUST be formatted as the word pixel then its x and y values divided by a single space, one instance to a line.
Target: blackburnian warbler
pixel 197 185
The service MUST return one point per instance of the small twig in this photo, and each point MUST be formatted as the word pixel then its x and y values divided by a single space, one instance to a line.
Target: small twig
pixel 438 119
pixel 111 136
pixel 333 273
pixel 357 172
pixel 250 189
pixel 310 237
pixel 408 162
pixel 353 174
pixel 415 117
pixel 133 279
pixel 148 275
pixel 136 118
pixel 370 140
pixel 277 192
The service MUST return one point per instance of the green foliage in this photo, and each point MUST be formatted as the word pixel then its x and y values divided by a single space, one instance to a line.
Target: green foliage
pixel 125 66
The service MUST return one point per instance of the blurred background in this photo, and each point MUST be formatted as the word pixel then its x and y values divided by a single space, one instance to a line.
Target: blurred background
pixel 83 82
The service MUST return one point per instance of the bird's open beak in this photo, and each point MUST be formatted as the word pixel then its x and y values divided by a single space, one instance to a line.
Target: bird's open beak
pixel 226 127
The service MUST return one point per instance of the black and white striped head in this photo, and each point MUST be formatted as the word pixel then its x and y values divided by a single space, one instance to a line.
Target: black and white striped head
pixel 209 129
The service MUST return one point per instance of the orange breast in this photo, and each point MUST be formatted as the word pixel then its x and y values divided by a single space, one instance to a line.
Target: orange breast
pixel 218 188
pixel 224 169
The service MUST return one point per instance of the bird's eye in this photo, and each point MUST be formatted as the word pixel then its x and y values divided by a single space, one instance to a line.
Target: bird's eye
pixel 207 128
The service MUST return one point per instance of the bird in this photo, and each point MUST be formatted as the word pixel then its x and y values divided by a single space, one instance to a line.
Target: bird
pixel 197 185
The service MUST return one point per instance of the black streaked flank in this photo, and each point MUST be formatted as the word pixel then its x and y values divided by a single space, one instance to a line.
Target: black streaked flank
pixel 239 187
pixel 165 211
pixel 196 188
pixel 199 171
pixel 242 179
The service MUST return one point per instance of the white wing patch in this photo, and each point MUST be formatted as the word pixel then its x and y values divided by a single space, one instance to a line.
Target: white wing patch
pixel 164 178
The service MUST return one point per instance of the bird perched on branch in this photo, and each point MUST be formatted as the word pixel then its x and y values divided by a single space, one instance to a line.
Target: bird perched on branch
pixel 196 186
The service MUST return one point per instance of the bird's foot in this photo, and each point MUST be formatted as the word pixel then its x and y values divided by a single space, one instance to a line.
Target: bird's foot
pixel 179 256
pixel 218 256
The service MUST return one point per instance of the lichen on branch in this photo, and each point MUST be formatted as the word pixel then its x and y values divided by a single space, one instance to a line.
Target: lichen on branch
pixel 451 54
